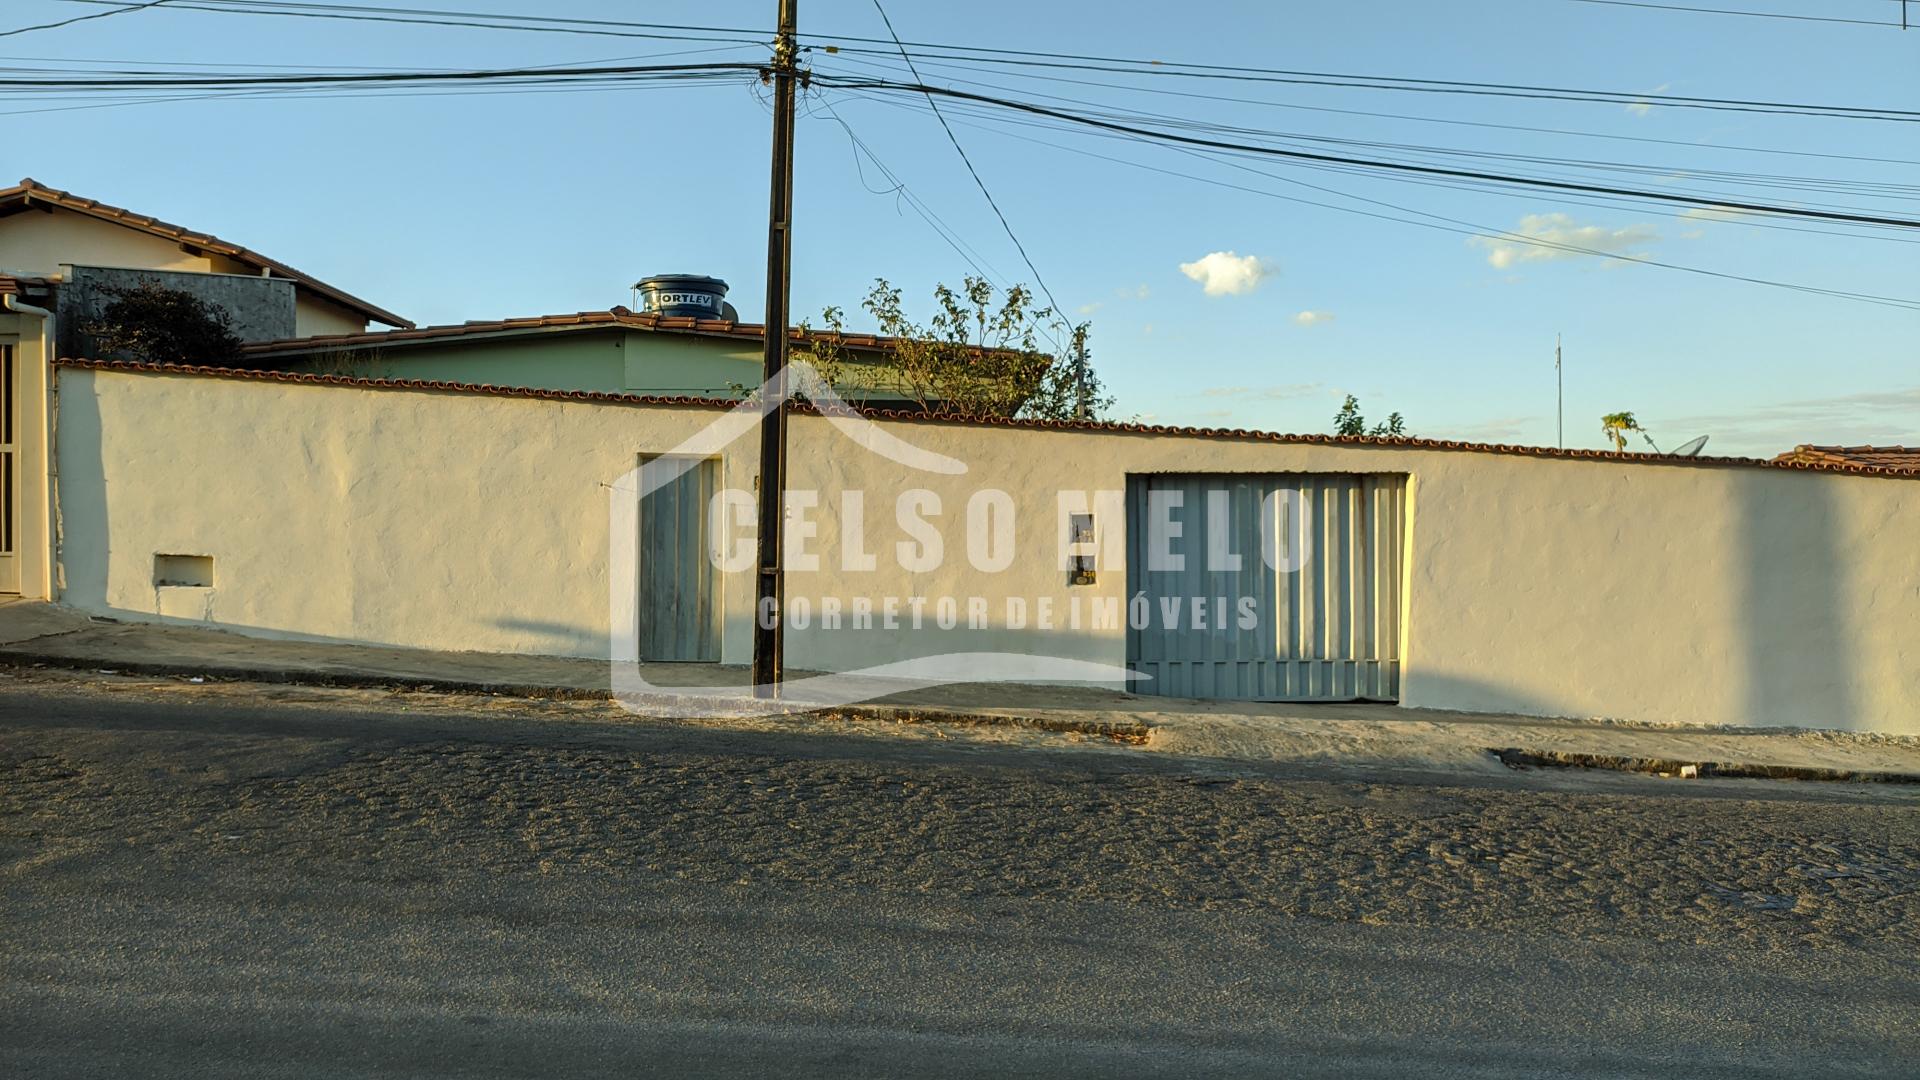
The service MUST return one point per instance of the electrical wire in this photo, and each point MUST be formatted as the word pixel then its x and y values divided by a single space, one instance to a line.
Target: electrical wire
pixel 461 19
pixel 1735 11
pixel 1302 155
pixel 118 10
pixel 1458 226
pixel 1796 183
pixel 1021 57
pixel 1451 121
pixel 1742 220
pixel 946 232
pixel 971 171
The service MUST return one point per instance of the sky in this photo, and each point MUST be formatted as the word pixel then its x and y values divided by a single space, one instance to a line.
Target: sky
pixel 1217 298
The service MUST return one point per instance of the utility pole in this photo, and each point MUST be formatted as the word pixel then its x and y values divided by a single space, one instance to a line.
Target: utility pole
pixel 1559 394
pixel 770 597
pixel 1082 405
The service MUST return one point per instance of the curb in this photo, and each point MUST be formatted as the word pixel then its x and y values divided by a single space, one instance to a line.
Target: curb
pixel 1516 758
pixel 1122 731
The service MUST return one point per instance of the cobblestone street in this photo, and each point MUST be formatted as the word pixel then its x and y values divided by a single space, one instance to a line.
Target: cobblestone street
pixel 448 796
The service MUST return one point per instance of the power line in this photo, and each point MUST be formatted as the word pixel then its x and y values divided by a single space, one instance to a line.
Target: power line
pixel 1451 121
pixel 1017 57
pixel 1795 183
pixel 1453 225
pixel 118 10
pixel 1450 86
pixel 556 74
pixel 946 232
pixel 1487 189
pixel 628 73
pixel 462 19
pixel 1394 166
pixel 971 171
pixel 1735 11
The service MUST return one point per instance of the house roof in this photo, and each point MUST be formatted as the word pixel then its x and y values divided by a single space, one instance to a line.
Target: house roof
pixel 613 318
pixel 29 192
pixel 16 286
pixel 1121 427
pixel 1885 457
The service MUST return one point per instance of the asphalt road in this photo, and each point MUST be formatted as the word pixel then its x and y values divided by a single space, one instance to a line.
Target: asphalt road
pixel 246 881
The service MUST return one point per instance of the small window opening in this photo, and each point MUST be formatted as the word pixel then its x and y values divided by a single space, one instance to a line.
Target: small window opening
pixel 192 571
pixel 1080 549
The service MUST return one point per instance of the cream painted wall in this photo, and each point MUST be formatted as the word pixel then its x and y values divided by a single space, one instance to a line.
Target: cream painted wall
pixel 29 337
pixel 1662 593
pixel 40 243
pixel 313 316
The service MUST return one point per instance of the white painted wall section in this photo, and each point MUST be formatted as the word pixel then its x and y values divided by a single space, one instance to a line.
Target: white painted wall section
pixel 1553 587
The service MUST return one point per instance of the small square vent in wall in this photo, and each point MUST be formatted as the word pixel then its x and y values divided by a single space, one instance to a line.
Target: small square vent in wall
pixel 192 571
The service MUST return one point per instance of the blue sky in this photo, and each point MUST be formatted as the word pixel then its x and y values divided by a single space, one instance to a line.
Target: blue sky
pixel 448 208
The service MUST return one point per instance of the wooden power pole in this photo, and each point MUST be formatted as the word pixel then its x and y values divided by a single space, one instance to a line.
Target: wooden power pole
pixel 770 597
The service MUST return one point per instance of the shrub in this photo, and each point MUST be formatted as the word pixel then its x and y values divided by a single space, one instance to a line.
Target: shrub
pixel 154 324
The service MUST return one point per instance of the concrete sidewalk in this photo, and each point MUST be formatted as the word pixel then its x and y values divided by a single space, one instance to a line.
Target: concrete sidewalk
pixel 1360 735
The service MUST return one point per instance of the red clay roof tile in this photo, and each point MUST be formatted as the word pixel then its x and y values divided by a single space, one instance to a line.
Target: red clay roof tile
pixel 1886 457
pixel 1780 463
pixel 617 317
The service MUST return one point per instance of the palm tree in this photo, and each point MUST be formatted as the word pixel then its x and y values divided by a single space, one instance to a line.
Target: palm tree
pixel 1615 427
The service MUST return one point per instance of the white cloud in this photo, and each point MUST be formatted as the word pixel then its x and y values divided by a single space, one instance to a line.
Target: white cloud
pixel 1504 429
pixel 1874 417
pixel 1713 213
pixel 1224 273
pixel 1088 309
pixel 1313 318
pixel 1282 392
pixel 1541 237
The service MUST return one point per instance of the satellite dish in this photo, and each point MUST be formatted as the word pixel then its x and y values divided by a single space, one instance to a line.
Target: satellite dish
pixel 1691 449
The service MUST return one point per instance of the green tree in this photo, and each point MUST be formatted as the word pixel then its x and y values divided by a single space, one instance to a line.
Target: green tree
pixel 979 355
pixel 1071 390
pixel 151 323
pixel 1349 421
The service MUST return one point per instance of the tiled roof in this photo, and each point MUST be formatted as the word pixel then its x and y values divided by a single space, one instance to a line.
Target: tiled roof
pixel 1392 441
pixel 30 191
pixel 11 285
pixel 617 317
pixel 1885 457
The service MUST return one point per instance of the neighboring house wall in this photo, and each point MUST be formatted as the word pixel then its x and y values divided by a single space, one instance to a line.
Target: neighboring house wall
pixel 33 524
pixel 261 309
pixel 40 242
pixel 313 315
pixel 553 361
pixel 613 360
pixel 1544 586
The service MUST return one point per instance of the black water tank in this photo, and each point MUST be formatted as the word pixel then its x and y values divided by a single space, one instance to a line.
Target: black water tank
pixel 685 294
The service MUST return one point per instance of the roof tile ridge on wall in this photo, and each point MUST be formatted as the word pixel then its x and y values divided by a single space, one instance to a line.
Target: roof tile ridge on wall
pixel 1016 423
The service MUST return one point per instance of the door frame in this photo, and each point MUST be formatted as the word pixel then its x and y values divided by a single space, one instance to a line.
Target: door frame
pixel 10 465
pixel 708 648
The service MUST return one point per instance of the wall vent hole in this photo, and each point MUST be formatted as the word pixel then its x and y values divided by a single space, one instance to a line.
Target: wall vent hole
pixel 191 571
